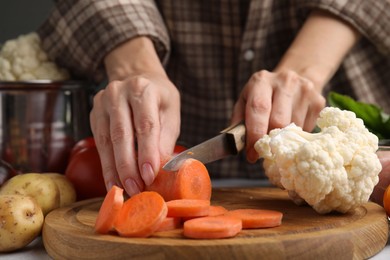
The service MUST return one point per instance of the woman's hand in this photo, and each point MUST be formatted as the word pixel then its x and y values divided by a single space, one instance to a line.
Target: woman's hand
pixel 135 123
pixel 136 119
pixel 292 92
pixel 273 100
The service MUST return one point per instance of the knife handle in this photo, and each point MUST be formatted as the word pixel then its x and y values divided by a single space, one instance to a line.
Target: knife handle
pixel 237 135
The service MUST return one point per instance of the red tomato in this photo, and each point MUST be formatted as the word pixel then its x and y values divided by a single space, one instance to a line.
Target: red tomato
pixel 178 149
pixel 58 154
pixel 386 200
pixel 85 172
pixel 83 143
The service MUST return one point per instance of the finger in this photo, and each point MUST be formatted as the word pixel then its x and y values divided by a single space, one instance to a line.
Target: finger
pixel 147 130
pixel 100 130
pixel 301 106
pixel 122 138
pixel 257 111
pixel 302 102
pixel 286 89
pixel 307 105
pixel 169 126
pixel 313 112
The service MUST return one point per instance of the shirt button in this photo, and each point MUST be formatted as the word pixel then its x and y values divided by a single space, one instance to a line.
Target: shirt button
pixel 249 55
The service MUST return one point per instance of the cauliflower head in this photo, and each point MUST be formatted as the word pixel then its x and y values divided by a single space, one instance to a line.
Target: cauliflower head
pixel 333 170
pixel 24 59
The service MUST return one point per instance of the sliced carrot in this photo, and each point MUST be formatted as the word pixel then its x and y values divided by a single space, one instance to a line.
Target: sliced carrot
pixel 257 218
pixel 109 210
pixel 169 223
pixel 141 215
pixel 217 210
pixel 164 184
pixel 191 181
pixel 213 211
pixel 188 208
pixel 212 227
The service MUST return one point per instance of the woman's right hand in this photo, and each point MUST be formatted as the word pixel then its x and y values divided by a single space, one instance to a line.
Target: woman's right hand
pixel 136 119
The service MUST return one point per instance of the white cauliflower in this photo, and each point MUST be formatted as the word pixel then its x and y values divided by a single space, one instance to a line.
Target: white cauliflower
pixel 333 170
pixel 24 59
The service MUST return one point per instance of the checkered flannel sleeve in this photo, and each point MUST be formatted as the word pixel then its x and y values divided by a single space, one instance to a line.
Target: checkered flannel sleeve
pixel 79 33
pixel 370 17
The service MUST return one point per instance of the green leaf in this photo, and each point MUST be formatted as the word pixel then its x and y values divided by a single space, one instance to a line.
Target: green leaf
pixel 374 118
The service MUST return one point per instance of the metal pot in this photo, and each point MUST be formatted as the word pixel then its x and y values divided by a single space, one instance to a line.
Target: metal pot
pixel 40 121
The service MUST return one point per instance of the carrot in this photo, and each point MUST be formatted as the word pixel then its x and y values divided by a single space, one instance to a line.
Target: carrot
pixel 191 181
pixel 188 208
pixel 217 210
pixel 212 227
pixel 109 210
pixel 141 215
pixel 213 211
pixel 257 218
pixel 164 184
pixel 169 223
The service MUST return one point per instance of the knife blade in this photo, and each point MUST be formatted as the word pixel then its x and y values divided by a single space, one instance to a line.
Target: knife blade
pixel 229 142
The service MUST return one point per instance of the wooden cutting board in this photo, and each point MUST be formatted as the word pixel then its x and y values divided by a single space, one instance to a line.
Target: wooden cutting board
pixel 68 233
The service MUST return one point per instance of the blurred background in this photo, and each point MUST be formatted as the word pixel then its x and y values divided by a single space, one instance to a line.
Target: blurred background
pixel 21 16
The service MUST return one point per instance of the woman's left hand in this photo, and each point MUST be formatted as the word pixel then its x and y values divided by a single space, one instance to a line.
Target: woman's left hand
pixel 273 100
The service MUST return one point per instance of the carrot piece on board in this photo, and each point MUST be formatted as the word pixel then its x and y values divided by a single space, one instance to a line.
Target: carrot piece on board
pixel 141 215
pixel 212 227
pixel 164 184
pixel 257 218
pixel 213 211
pixel 188 208
pixel 191 181
pixel 109 210
pixel 169 223
pixel 217 210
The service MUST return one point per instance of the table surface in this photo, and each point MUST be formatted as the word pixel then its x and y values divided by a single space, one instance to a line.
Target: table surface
pixel 36 250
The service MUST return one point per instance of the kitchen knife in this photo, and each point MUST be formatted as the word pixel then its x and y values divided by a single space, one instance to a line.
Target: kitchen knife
pixel 230 142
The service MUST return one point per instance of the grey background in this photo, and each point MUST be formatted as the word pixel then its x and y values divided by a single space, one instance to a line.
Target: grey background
pixel 21 16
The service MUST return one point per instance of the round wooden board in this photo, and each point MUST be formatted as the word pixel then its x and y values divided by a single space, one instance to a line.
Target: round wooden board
pixel 68 233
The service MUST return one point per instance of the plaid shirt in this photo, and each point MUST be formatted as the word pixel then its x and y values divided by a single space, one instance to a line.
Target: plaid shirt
pixel 210 48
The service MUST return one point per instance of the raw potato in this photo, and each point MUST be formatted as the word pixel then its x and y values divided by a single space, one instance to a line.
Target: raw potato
pixel 66 188
pixel 42 188
pixel 21 221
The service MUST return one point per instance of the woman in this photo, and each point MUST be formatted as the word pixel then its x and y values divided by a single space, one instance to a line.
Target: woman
pixel 187 69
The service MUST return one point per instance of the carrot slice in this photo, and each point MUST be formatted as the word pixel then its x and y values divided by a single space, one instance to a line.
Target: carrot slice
pixel 257 218
pixel 169 223
pixel 109 210
pixel 141 215
pixel 188 208
pixel 164 184
pixel 213 211
pixel 217 210
pixel 191 181
pixel 212 227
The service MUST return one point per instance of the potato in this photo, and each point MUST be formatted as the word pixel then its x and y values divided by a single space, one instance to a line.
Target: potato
pixel 66 188
pixel 21 221
pixel 42 188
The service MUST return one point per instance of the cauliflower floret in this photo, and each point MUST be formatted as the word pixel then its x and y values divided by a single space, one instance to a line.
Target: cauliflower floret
pixel 334 170
pixel 24 59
